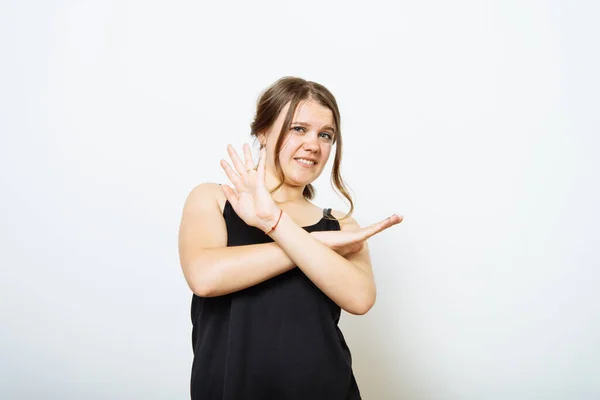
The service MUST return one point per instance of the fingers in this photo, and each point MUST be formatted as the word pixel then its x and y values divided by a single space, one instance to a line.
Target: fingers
pixel 231 174
pixel 241 168
pixel 377 227
pixel 237 162
pixel 230 195
pixel 396 219
pixel 388 222
pixel 248 157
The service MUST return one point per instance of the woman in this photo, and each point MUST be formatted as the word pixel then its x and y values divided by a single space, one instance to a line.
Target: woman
pixel 269 270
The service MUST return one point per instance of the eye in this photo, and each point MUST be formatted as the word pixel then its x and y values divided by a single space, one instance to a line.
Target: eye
pixel 328 134
pixel 302 129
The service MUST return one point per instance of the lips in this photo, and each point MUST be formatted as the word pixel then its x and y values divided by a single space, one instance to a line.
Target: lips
pixel 306 158
pixel 304 164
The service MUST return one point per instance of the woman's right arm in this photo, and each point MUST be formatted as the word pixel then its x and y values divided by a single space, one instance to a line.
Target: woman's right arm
pixel 209 266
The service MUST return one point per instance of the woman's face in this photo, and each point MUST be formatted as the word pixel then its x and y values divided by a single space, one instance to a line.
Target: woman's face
pixel 307 144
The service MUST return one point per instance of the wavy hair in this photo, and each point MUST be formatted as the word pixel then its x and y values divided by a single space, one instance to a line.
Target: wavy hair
pixel 294 91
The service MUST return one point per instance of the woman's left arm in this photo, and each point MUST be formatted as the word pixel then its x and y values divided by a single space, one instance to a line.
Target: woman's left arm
pixel 349 281
pixel 361 261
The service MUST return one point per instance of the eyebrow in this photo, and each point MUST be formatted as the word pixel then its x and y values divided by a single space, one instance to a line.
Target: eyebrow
pixel 305 124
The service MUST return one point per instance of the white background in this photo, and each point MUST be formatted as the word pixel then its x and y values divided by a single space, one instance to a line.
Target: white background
pixel 476 120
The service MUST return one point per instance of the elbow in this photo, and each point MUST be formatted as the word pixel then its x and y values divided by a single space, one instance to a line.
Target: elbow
pixel 202 289
pixel 362 305
pixel 361 309
pixel 202 278
pixel 202 285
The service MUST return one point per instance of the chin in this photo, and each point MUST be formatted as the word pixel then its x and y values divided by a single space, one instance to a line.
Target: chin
pixel 298 182
pixel 299 178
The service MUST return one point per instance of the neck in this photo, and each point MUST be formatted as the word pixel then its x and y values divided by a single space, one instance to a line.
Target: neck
pixel 286 193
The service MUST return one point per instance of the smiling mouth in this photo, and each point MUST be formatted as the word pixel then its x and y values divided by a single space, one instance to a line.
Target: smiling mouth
pixel 305 163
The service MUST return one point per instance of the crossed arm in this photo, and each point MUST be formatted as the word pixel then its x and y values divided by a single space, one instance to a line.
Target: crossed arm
pixel 213 269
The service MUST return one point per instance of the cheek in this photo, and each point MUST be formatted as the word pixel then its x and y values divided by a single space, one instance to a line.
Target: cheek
pixel 287 148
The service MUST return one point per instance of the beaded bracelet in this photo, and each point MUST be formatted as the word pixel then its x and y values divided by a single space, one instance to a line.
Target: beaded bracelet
pixel 280 212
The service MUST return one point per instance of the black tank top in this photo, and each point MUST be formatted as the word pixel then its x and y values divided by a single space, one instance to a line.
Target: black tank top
pixel 276 340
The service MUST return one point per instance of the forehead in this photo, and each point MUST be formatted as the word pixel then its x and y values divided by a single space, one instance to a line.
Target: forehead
pixel 313 113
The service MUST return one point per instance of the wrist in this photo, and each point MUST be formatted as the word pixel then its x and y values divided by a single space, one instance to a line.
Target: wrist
pixel 271 223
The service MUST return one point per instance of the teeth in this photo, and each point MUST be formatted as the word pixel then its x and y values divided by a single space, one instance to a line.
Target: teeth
pixel 302 160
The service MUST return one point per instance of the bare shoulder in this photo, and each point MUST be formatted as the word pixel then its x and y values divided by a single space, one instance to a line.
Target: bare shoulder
pixel 202 224
pixel 203 196
pixel 204 189
pixel 347 223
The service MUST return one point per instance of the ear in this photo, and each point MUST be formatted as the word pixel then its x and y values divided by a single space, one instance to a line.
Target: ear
pixel 262 138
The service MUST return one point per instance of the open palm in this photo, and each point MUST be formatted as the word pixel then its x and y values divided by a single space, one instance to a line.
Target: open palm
pixel 251 200
pixel 349 241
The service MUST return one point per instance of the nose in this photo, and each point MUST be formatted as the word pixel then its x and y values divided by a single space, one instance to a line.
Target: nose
pixel 311 142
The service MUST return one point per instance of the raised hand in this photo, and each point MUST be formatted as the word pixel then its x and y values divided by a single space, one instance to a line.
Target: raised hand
pixel 251 200
pixel 352 240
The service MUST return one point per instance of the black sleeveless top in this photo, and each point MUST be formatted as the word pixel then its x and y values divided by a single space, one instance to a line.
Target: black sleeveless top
pixel 276 340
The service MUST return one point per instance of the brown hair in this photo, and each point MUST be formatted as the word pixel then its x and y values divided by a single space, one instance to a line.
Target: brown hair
pixel 295 90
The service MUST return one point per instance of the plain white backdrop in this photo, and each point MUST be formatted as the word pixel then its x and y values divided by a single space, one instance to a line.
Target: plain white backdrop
pixel 476 120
